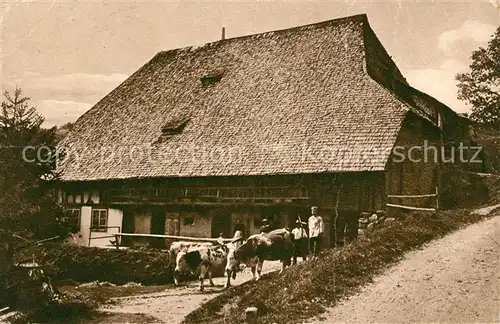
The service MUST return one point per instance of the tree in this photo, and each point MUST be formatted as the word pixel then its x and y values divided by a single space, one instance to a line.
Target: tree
pixel 27 160
pixel 63 130
pixel 481 86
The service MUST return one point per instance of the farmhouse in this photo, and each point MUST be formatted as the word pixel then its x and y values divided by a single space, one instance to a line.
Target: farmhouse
pixel 203 139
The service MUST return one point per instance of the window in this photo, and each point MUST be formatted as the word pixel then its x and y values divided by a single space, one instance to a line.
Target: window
pixel 175 126
pixel 72 219
pixel 210 79
pixel 99 220
pixel 188 220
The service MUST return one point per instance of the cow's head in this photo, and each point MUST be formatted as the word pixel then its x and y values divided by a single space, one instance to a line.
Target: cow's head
pixel 242 254
pixel 232 264
pixel 187 261
pixel 180 262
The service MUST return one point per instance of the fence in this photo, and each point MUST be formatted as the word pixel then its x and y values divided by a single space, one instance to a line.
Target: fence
pixel 431 209
pixel 105 236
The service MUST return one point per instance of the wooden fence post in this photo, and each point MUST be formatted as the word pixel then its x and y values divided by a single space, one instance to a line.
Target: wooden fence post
pixel 437 199
pixel 117 243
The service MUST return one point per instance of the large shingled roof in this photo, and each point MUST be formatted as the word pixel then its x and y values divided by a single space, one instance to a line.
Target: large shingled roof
pixel 298 100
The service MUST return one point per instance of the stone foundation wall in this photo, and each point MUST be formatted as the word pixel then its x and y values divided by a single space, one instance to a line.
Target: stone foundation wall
pixel 368 222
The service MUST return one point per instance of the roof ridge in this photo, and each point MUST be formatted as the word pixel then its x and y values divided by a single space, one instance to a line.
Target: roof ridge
pixel 359 17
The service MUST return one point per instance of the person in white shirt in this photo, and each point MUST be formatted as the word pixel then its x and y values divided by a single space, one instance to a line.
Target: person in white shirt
pixel 315 231
pixel 299 242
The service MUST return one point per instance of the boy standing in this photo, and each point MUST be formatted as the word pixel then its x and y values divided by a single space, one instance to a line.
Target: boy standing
pixel 299 241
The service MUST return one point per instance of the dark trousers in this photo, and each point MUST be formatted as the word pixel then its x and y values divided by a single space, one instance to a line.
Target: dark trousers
pixel 314 245
pixel 299 249
pixel 346 227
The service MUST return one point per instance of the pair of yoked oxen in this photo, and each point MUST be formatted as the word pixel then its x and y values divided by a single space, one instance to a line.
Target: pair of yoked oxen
pixel 203 258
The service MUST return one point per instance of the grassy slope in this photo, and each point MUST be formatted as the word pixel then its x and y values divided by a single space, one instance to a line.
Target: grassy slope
pixel 304 290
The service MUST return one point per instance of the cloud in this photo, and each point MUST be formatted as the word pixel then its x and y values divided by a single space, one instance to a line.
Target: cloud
pixel 75 83
pixel 440 83
pixel 60 112
pixel 469 31
pixel 63 98
pixel 494 3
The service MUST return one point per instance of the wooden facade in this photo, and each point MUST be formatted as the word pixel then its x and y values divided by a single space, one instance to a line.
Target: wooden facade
pixel 206 207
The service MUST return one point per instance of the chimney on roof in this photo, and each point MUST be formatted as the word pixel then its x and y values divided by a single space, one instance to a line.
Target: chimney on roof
pixel 223 33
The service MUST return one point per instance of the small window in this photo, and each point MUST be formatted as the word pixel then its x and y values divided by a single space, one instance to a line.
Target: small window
pixel 72 219
pixel 188 220
pixel 210 79
pixel 99 220
pixel 175 126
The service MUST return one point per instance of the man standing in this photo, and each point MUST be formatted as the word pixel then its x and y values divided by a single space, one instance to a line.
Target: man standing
pixel 315 231
pixel 299 241
pixel 265 228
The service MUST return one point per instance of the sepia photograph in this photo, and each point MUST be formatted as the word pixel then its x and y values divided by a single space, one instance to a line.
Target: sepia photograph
pixel 261 162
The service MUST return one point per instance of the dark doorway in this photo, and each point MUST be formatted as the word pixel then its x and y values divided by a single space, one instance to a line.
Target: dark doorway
pixel 158 227
pixel 128 227
pixel 221 223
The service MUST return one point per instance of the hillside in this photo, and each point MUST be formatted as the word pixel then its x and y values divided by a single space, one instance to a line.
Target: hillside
pixel 313 286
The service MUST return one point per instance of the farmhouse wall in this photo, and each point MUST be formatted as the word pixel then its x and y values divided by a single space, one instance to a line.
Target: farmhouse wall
pixel 85 219
pixel 115 221
pixel 142 225
pixel 199 227
pixel 405 177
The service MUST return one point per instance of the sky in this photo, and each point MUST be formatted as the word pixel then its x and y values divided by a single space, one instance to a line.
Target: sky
pixel 67 55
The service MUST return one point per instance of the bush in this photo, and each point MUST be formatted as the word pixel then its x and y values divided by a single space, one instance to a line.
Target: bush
pixel 84 264
pixel 489 140
pixel 462 189
pixel 303 292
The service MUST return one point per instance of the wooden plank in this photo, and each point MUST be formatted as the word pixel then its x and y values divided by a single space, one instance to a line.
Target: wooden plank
pixel 201 203
pixel 103 237
pixel 4 309
pixel 184 238
pixel 412 196
pixel 411 208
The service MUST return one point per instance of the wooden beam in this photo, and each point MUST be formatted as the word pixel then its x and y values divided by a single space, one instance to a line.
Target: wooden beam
pixel 411 208
pixel 199 203
pixel 412 196
pixel 175 237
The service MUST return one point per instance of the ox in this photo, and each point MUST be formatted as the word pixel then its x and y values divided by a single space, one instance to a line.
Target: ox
pixel 272 246
pixel 201 260
pixel 179 246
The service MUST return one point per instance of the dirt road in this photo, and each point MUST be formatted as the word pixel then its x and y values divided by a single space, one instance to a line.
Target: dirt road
pixel 455 280
pixel 173 304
